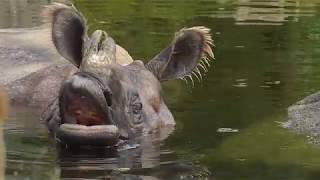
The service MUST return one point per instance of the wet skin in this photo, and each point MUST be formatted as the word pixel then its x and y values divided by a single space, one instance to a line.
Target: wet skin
pixel 111 97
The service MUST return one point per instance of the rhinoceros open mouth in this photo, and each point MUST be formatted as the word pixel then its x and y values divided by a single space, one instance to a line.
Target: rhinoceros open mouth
pixel 85 112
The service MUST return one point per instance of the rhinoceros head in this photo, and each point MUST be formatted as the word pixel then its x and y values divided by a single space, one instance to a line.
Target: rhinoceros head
pixel 112 97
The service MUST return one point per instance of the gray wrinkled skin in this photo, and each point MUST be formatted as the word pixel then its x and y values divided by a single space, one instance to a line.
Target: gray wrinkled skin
pixel 304 116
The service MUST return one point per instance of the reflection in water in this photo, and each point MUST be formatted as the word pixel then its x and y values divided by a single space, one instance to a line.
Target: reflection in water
pixel 29 154
pixel 132 163
pixel 261 12
pixel 78 162
pixel 20 13
pixel 269 12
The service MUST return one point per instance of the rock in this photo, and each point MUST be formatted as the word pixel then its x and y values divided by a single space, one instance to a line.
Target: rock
pixel 304 116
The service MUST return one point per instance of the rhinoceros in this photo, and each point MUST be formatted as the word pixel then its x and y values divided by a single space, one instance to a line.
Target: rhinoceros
pixel 99 95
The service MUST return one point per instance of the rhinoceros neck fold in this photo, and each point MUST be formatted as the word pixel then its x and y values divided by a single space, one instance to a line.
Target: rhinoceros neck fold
pixel 99 51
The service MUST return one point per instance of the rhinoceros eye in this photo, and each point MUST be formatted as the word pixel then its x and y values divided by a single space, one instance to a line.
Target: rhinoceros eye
pixel 136 108
pixel 137 112
pixel 136 105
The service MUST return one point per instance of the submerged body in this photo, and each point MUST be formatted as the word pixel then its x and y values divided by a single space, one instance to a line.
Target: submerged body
pixel 102 95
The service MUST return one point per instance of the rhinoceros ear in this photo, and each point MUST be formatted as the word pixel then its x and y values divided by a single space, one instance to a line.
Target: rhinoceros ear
pixel 68 31
pixel 189 51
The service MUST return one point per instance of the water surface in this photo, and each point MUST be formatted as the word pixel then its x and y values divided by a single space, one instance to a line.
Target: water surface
pixel 267 57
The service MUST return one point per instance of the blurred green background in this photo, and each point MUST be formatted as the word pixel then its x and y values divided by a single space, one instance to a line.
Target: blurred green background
pixel 267 58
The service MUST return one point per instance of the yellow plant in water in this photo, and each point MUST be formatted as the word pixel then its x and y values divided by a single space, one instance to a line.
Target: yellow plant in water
pixel 3 105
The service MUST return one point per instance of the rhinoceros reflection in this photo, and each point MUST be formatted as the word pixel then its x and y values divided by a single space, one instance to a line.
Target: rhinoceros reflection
pixel 93 162
pixel 142 162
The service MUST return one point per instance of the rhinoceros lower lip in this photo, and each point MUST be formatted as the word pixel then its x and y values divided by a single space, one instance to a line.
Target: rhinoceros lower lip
pixel 96 135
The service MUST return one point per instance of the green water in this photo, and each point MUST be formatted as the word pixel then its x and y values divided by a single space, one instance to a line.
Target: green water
pixel 267 58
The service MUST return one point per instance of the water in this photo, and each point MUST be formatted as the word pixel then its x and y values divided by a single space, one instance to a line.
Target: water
pixel 266 59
